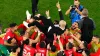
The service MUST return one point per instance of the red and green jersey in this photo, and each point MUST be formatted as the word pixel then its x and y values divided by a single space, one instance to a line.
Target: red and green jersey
pixel 96 53
pixel 94 47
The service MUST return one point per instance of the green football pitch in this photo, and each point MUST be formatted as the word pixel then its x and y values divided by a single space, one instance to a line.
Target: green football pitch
pixel 15 10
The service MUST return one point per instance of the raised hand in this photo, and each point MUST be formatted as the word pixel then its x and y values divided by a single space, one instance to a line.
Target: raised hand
pixel 74 49
pixel 71 34
pixel 47 13
pixel 71 40
pixel 58 5
pixel 48 46
pixel 83 53
pixel 38 15
pixel 70 7
pixel 39 33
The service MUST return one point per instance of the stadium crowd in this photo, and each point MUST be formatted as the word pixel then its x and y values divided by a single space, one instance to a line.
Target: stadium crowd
pixel 39 36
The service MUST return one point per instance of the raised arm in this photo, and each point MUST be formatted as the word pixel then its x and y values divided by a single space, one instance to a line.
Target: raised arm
pixel 38 37
pixel 60 44
pixel 59 10
pixel 49 18
pixel 78 11
pixel 79 41
pixel 68 11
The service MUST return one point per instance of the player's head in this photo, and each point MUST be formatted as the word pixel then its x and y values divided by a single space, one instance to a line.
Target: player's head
pixel 16 49
pixel 69 46
pixel 26 42
pixel 53 48
pixel 22 32
pixel 66 32
pixel 13 26
pixel 85 12
pixel 34 45
pixel 96 38
pixel 42 44
pixel 75 25
pixel 62 23
pixel 60 53
pixel 76 3
pixel 83 45
pixel 12 41
pixel 56 22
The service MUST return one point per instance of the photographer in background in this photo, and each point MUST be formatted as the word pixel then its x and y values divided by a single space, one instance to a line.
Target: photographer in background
pixel 75 11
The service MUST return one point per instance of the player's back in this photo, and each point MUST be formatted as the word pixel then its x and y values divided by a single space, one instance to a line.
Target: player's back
pixel 41 52
pixel 29 51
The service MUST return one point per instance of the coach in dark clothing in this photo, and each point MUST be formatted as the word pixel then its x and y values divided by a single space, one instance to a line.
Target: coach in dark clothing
pixel 87 27
pixel 47 22
pixel 34 6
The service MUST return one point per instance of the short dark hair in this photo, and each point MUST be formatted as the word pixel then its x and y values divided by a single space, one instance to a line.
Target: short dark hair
pixel 57 22
pixel 36 18
pixel 42 44
pixel 61 53
pixel 9 40
pixel 15 48
pixel 34 45
pixel 70 45
pixel 53 48
pixel 97 36
pixel 26 42
pixel 77 22
pixel 21 31
pixel 12 25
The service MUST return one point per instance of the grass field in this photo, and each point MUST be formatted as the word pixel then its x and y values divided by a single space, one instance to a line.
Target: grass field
pixel 14 10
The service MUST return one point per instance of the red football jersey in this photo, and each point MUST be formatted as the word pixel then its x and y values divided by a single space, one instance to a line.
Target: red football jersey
pixel 21 26
pixel 1 41
pixel 34 35
pixel 98 51
pixel 66 38
pixel 56 42
pixel 29 51
pixel 19 39
pixel 37 45
pixel 96 54
pixel 69 52
pixel 9 34
pixel 62 41
pixel 77 54
pixel 41 51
